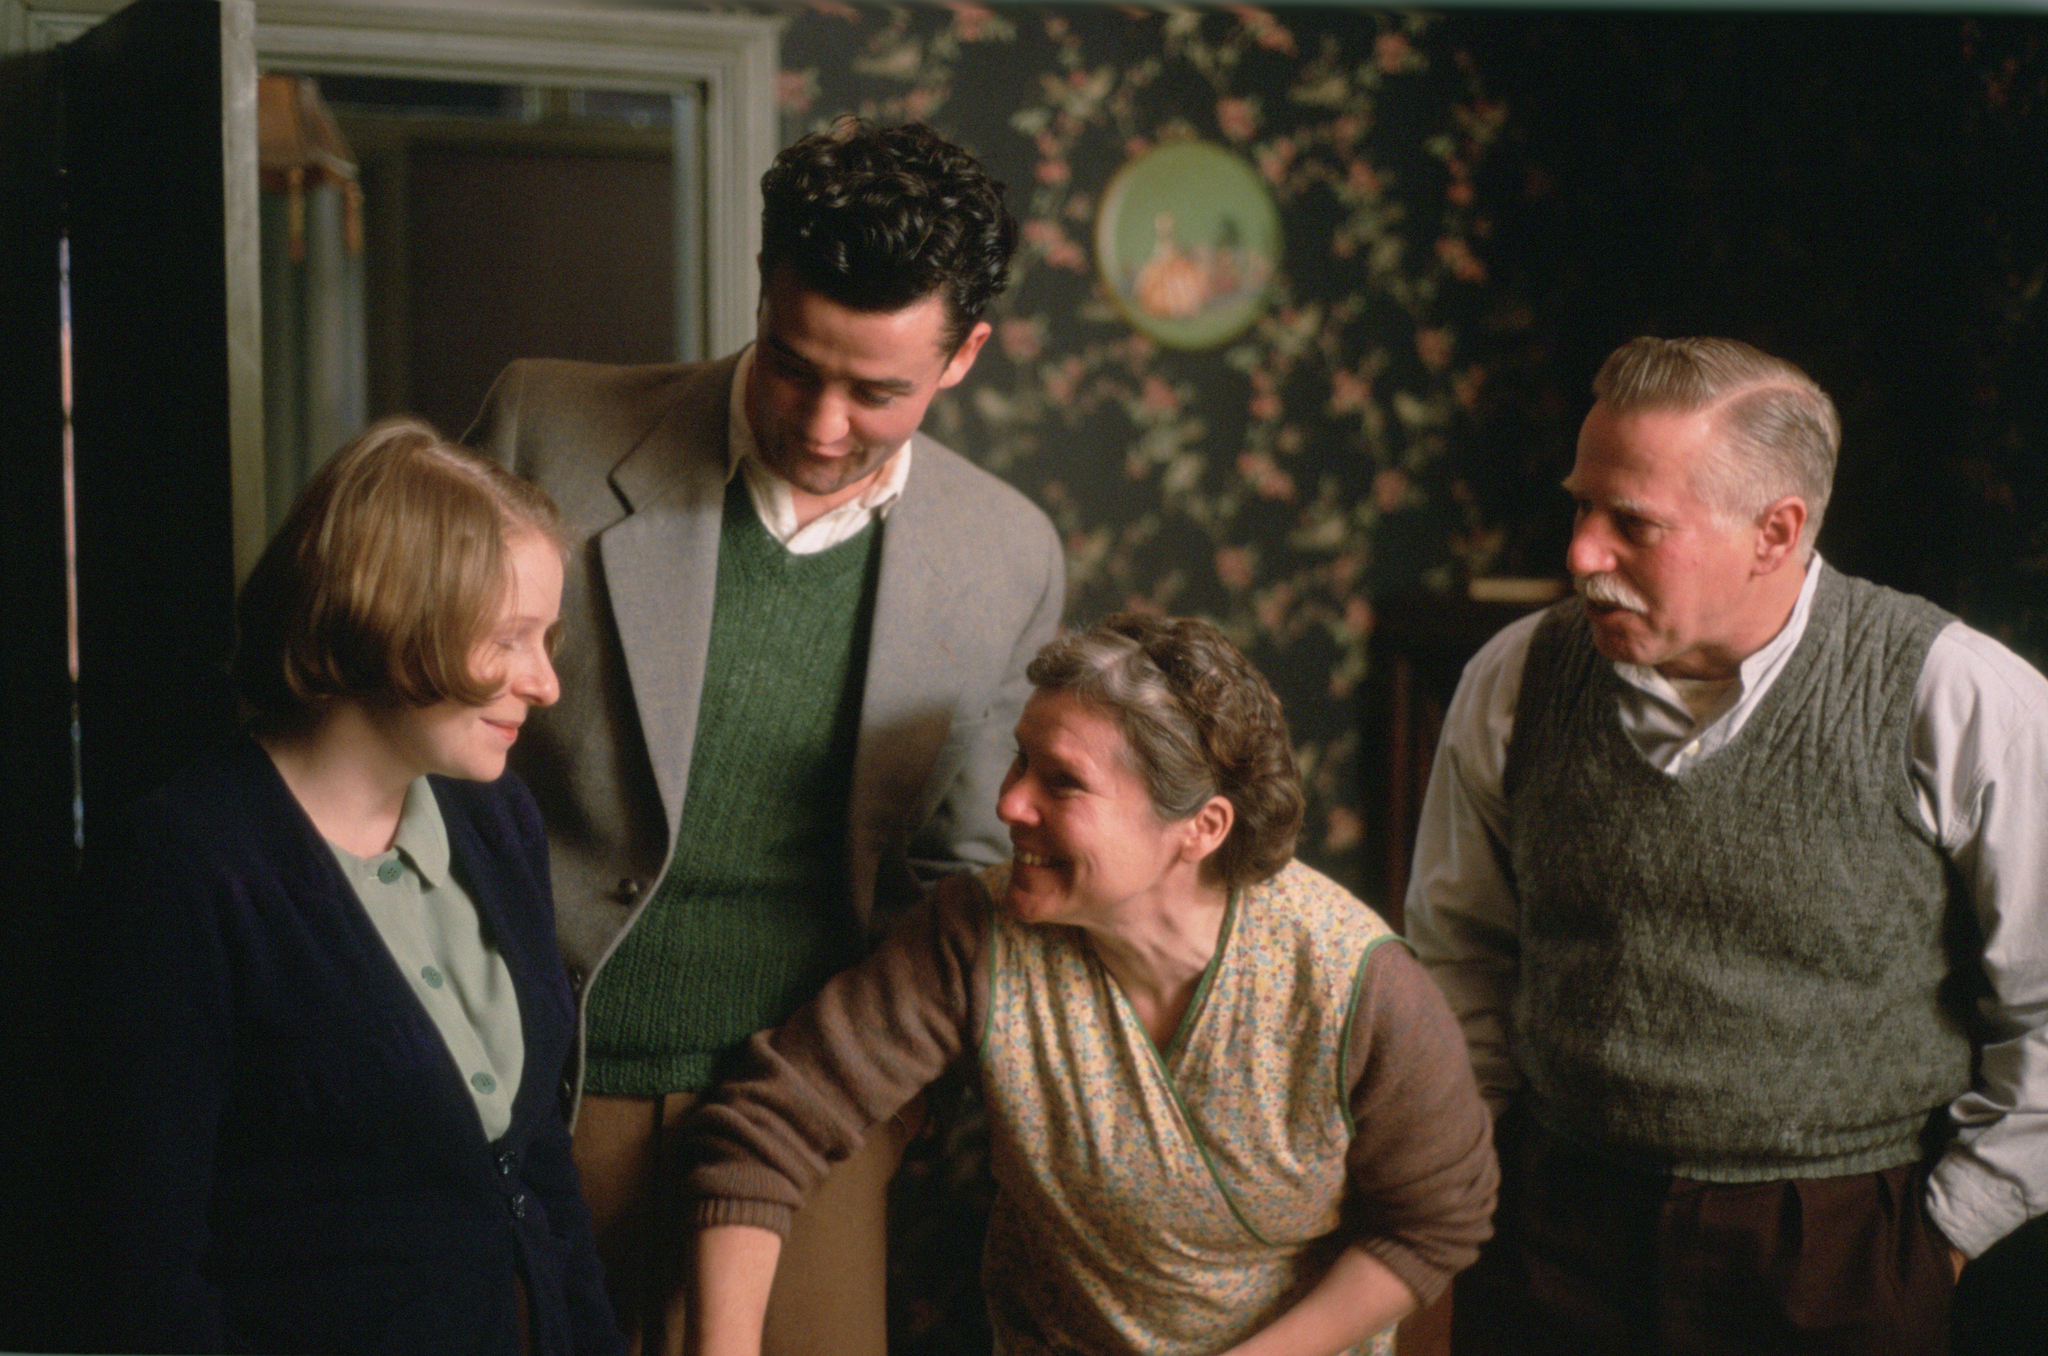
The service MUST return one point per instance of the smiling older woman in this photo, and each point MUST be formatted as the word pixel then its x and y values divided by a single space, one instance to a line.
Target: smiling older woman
pixel 1228 1111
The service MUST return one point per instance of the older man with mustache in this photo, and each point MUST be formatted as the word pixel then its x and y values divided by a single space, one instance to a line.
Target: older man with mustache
pixel 1733 869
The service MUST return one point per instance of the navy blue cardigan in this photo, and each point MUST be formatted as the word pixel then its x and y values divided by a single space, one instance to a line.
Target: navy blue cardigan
pixel 275 1151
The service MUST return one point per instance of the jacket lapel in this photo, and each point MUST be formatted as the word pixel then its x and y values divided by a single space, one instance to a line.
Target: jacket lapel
pixel 912 683
pixel 661 570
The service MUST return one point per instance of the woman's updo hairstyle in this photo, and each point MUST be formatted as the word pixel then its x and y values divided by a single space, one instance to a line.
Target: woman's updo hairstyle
pixel 1199 721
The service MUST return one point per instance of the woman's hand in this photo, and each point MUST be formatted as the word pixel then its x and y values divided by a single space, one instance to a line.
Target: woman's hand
pixel 1357 1297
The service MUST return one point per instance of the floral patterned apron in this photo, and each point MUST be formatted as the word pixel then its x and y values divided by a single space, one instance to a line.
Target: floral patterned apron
pixel 1170 1202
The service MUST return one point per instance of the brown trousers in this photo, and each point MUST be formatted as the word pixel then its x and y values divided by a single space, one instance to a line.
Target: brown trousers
pixel 1590 1258
pixel 830 1288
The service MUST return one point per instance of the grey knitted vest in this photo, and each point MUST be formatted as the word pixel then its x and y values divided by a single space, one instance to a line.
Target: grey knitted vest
pixel 1742 973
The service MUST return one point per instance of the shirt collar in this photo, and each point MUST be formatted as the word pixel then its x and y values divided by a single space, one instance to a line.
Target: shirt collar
pixel 422 834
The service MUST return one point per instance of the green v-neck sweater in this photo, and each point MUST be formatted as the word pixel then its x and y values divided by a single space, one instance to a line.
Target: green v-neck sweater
pixel 753 914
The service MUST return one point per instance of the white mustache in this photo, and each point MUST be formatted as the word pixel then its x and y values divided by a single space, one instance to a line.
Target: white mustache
pixel 1609 591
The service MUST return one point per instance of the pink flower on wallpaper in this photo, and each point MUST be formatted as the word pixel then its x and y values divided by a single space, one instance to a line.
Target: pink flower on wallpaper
pixel 1349 392
pixel 1393 52
pixel 1358 617
pixel 1458 257
pixel 919 103
pixel 1051 172
pixel 1264 402
pixel 1238 118
pixel 1158 396
pixel 1063 379
pixel 1265 476
pixel 1022 338
pixel 834 9
pixel 1235 567
pixel 1361 180
pixel 1052 242
pixel 971 22
pixel 1272 608
pixel 1346 829
pixel 1390 490
pixel 796 91
pixel 1433 346
pixel 1467 385
pixel 1459 192
pixel 1265 30
pixel 1276 159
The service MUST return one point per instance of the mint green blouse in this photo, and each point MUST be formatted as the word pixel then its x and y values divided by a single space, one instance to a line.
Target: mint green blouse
pixel 430 926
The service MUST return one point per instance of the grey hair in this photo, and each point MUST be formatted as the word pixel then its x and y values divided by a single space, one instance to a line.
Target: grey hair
pixel 1198 721
pixel 1781 433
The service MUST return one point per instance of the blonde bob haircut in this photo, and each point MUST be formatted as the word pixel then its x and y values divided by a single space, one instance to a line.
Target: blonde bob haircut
pixel 389 570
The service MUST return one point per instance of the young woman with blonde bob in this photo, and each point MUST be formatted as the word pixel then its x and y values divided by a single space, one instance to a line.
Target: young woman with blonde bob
pixel 323 1020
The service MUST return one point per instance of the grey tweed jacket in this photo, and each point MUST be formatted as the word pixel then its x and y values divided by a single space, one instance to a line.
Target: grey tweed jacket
pixel 972 583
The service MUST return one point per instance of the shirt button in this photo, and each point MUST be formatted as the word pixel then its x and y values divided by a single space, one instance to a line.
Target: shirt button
pixel 483 1082
pixel 431 975
pixel 390 871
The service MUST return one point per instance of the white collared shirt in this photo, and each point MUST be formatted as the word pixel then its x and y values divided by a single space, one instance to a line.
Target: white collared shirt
pixel 1978 752
pixel 772 496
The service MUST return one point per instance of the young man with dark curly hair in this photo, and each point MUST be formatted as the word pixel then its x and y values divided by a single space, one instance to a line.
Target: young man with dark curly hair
pixel 796 634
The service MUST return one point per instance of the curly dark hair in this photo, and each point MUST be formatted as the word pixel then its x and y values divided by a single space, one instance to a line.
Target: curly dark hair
pixel 1199 721
pixel 879 218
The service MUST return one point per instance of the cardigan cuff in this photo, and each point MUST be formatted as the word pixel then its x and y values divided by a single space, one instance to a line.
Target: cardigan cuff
pixel 707 1213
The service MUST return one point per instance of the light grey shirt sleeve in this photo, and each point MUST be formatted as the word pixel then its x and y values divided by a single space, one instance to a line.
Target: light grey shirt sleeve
pixel 1980 764
pixel 1461 911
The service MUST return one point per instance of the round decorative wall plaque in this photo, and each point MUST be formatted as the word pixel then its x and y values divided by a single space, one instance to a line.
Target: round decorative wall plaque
pixel 1187 241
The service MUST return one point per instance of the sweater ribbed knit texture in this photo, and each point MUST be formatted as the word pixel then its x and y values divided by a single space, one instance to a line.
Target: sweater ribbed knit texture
pixel 1741 973
pixel 752 915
